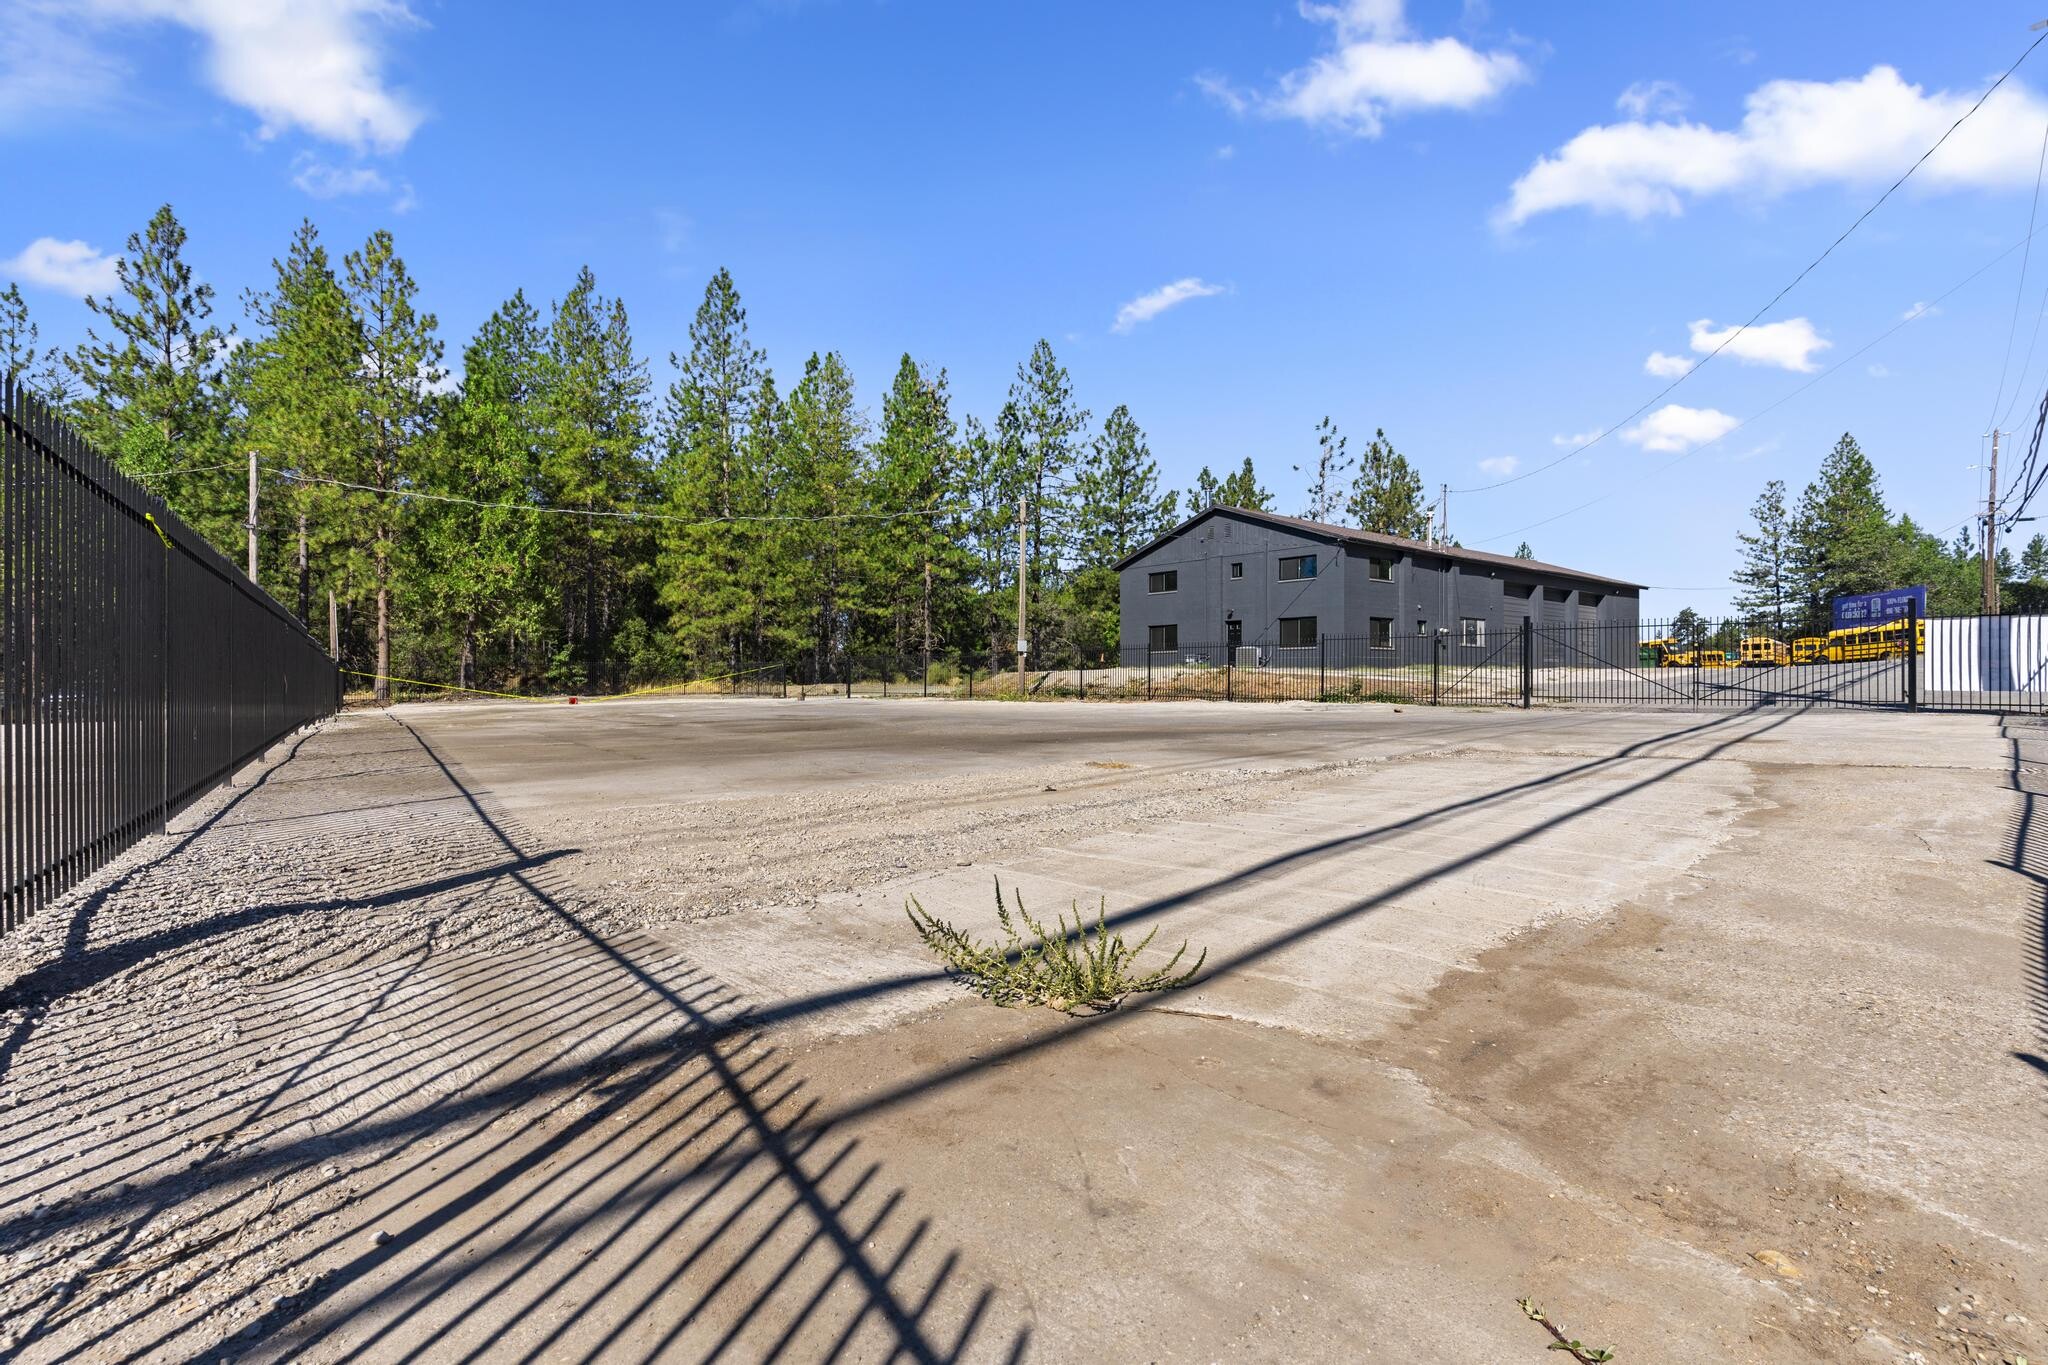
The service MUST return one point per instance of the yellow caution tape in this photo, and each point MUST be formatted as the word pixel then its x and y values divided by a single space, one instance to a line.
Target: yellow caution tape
pixel 677 687
pixel 451 687
pixel 556 701
pixel 150 517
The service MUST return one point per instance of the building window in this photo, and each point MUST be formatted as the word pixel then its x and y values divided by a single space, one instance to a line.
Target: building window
pixel 1165 639
pixel 1297 566
pixel 1421 626
pixel 1297 631
pixel 1381 570
pixel 1380 632
pixel 1471 631
pixel 1237 570
pixel 1168 581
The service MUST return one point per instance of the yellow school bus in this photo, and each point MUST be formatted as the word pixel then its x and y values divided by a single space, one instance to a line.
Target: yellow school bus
pixel 1885 641
pixel 1810 649
pixel 1761 651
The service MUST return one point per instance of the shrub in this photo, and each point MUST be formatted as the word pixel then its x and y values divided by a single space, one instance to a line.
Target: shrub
pixel 1066 969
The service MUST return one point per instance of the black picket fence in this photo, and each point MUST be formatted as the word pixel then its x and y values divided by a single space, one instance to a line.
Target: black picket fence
pixel 1955 663
pixel 138 668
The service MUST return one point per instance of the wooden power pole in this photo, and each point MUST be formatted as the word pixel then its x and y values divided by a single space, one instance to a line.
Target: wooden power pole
pixel 1023 570
pixel 1991 534
pixel 252 516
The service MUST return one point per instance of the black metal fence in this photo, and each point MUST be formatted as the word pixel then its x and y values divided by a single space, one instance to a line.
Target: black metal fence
pixel 1956 663
pixel 137 667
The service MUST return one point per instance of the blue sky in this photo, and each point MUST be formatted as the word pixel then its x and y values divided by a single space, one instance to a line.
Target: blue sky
pixel 1482 227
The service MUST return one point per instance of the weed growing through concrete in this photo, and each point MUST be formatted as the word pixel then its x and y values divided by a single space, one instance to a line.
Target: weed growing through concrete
pixel 1066 969
pixel 1580 1351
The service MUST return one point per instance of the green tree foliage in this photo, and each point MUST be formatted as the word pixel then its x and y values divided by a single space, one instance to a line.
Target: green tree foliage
pixel 1118 509
pixel 1765 574
pixel 826 489
pixel 23 357
pixel 399 372
pixel 1841 535
pixel 921 565
pixel 1522 551
pixel 1206 493
pixel 1242 489
pixel 1386 496
pixel 1326 479
pixel 150 392
pixel 717 478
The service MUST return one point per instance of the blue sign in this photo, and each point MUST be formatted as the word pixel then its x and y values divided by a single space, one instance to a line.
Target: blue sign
pixel 1875 608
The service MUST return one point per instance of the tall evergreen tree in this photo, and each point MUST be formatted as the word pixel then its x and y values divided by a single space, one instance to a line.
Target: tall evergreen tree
pixel 2034 560
pixel 150 391
pixel 594 432
pixel 918 555
pixel 1326 480
pixel 1522 551
pixel 1386 497
pixel 400 371
pixel 297 388
pixel 1205 493
pixel 1242 489
pixel 1765 574
pixel 995 478
pixel 1048 427
pixel 712 562
pixel 23 357
pixel 825 488
pixel 1118 505
pixel 483 563
pixel 1841 535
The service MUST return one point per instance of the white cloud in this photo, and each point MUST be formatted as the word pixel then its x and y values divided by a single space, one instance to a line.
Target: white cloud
pixel 1500 465
pixel 314 65
pixel 323 181
pixel 67 267
pixel 1576 439
pixel 1145 307
pixel 1793 134
pixel 1666 366
pixel 1375 67
pixel 1919 310
pixel 1226 152
pixel 1653 99
pixel 1675 427
pixel 1789 345
pixel 1880 370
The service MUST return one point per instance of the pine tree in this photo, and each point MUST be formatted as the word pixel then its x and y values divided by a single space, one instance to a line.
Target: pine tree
pixel 482 565
pixel 1522 551
pixel 995 478
pixel 918 481
pixel 1048 427
pixel 2034 559
pixel 1242 490
pixel 594 431
pixel 711 564
pixel 399 373
pixel 824 487
pixel 1206 493
pixel 1841 535
pixel 1118 505
pixel 1386 497
pixel 150 392
pixel 1765 576
pixel 296 385
pixel 1326 483
pixel 23 358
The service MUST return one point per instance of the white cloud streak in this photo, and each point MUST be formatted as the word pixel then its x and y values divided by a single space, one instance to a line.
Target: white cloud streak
pixel 1145 307
pixel 1788 345
pixel 323 181
pixel 1376 67
pixel 1675 428
pixel 67 267
pixel 1500 466
pixel 1653 99
pixel 1793 135
pixel 1666 366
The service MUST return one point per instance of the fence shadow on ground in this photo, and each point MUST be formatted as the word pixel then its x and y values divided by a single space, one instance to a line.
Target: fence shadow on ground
pixel 2027 855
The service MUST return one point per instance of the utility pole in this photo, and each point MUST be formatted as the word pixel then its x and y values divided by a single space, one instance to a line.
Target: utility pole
pixel 1443 514
pixel 252 516
pixel 333 629
pixel 1023 569
pixel 1991 534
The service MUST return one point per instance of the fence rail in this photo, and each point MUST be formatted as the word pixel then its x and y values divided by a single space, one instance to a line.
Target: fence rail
pixel 138 668
pixel 1990 663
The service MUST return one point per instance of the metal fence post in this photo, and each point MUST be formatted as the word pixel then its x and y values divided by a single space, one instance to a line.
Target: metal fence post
pixel 1229 667
pixel 1148 671
pixel 1084 675
pixel 849 676
pixel 1913 655
pixel 1322 665
pixel 1436 659
pixel 1528 666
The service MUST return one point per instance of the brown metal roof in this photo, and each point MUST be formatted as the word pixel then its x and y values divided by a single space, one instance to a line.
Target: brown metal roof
pixel 1351 535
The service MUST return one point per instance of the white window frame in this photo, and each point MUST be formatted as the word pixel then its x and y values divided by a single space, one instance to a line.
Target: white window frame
pixel 1472 632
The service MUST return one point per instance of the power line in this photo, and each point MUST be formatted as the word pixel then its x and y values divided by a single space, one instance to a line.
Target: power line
pixel 187 469
pixel 2019 294
pixel 1775 298
pixel 629 514
pixel 1911 317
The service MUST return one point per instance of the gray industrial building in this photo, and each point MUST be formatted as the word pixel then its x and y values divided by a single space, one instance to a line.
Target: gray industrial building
pixel 1237 578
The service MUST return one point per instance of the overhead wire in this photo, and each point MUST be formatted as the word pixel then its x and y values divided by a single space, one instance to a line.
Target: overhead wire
pixel 2019 294
pixel 1912 316
pixel 1729 339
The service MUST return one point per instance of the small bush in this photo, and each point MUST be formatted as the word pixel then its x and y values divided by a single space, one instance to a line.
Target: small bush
pixel 1066 969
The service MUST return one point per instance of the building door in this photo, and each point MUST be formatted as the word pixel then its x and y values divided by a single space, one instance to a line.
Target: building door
pixel 1233 633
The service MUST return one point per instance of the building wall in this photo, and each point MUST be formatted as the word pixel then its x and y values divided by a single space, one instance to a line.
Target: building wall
pixel 1426 592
